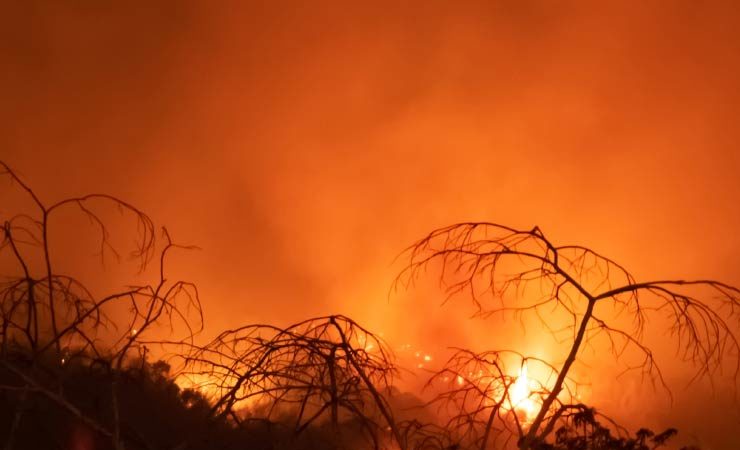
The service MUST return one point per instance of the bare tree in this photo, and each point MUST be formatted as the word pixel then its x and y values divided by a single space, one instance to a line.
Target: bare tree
pixel 326 368
pixel 50 320
pixel 332 371
pixel 508 271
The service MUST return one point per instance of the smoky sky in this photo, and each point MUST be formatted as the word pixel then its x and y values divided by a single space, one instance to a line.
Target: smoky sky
pixel 303 145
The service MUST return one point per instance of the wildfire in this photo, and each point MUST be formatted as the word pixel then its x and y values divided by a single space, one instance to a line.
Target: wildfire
pixel 520 393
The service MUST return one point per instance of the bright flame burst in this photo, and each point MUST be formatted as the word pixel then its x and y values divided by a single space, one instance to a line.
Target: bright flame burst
pixel 520 394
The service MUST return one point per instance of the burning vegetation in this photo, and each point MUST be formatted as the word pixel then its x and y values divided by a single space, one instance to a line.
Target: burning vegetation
pixel 79 365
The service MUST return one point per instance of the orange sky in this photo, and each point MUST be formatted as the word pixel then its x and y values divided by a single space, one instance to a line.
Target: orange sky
pixel 303 147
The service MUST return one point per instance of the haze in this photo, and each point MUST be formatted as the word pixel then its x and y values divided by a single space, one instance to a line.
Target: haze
pixel 303 147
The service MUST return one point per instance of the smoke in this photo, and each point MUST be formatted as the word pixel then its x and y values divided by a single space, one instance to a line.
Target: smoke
pixel 303 147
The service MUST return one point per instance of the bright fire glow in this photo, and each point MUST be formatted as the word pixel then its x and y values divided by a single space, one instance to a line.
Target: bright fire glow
pixel 520 394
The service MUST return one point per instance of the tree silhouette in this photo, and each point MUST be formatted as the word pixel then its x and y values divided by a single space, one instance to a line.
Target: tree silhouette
pixel 582 430
pixel 57 333
pixel 73 360
pixel 322 368
pixel 51 321
pixel 520 272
